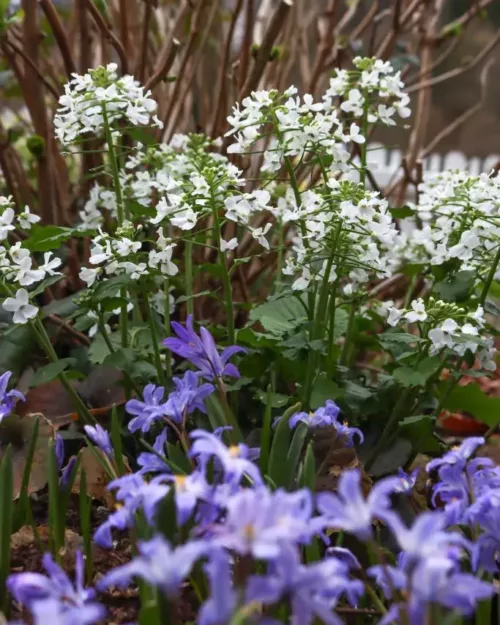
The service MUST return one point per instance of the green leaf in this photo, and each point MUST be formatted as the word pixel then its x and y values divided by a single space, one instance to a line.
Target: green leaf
pixel 398 343
pixel 111 287
pixel 16 348
pixel 51 371
pixel 456 288
pixel 247 336
pixel 122 358
pixel 419 430
pixel 294 453
pixel 402 212
pixel 277 399
pixel 6 520
pixel 307 477
pixel 265 436
pixel 98 351
pixel 280 316
pixel 280 447
pixel 63 307
pixel 322 390
pixel 473 400
pixel 44 284
pixel 341 323
pixel 46 238
pixel 177 455
pixel 419 375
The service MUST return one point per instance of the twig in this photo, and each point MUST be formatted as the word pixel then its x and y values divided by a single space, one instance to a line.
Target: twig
pixel 461 22
pixel 143 58
pixel 457 71
pixel 163 70
pixel 108 34
pixel 33 66
pixel 59 35
pixel 221 82
pixel 262 55
pixel 483 80
pixel 67 327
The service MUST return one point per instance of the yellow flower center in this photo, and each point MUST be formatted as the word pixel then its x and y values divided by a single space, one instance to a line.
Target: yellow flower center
pixel 180 481
pixel 249 531
pixel 234 451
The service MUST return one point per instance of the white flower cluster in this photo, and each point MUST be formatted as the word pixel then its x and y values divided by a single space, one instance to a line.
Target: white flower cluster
pixel 356 223
pixel 89 99
pixel 121 254
pixel 374 89
pixel 9 221
pixel 458 220
pixel 449 327
pixel 91 216
pixel 372 92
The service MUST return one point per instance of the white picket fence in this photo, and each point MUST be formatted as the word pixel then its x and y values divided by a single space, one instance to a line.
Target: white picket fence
pixel 385 163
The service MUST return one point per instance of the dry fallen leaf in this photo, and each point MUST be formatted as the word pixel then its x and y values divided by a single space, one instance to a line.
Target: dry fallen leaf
pixel 95 477
pixel 18 432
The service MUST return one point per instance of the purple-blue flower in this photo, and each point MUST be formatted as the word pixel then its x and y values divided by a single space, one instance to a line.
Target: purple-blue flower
pixel 148 411
pixel 259 522
pixel 159 564
pixel 153 463
pixel 52 611
pixel 407 481
pixel 350 511
pixel 434 580
pixel 187 397
pixel 313 590
pixel 8 399
pixel 201 351
pixel 223 600
pixel 100 437
pixel 132 493
pixel 459 456
pixel 235 461
pixel 327 416
pixel 190 490
pixel 59 451
pixel 74 601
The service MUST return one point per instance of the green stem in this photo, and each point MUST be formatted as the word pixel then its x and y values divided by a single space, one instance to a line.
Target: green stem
pixel 155 340
pixel 281 255
pixel 393 419
pixel 44 341
pixel 235 435
pixel 115 170
pixel 228 295
pixel 489 279
pixel 449 387
pixel 348 333
pixel 166 289
pixel 188 270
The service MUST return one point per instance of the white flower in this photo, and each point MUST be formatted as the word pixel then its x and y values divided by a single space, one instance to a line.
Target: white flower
pixel 468 328
pixel 228 245
pixel 6 219
pixel 89 275
pixel 20 306
pixel 185 219
pixel 259 234
pixel 418 313
pixel 126 247
pixel 354 134
pixel 302 283
pixel 442 336
pixel 25 275
pixel 394 317
pixel 27 219
pixel 49 265
pixel 354 103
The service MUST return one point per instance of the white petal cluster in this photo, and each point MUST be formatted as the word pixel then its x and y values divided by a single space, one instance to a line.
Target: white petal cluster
pixel 458 220
pixel 449 327
pixel 101 94
pixel 9 221
pixel 373 88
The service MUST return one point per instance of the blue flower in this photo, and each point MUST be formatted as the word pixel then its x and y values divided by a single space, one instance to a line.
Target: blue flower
pixel 158 564
pixel 407 481
pixel 8 399
pixel 132 493
pixel 201 351
pixel 350 511
pixel 327 416
pixel 187 397
pixel 75 602
pixel 223 600
pixel 59 451
pixel 313 590
pixel 100 437
pixel 235 460
pixel 190 491
pixel 259 522
pixel 459 456
pixel 153 463
pixel 148 411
